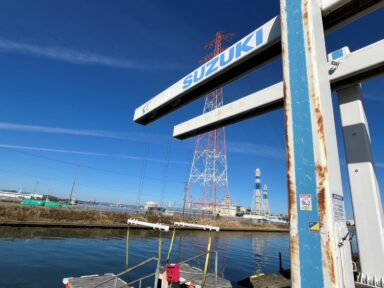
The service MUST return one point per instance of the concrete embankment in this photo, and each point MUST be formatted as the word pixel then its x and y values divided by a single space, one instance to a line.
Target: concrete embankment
pixel 18 215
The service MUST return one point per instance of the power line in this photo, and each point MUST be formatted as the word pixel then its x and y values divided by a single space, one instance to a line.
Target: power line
pixel 166 170
pixel 58 180
pixel 82 165
pixel 143 170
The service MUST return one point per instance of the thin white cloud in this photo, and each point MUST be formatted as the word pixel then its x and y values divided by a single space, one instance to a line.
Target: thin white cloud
pixel 255 150
pixel 83 57
pixel 139 137
pixel 232 146
pixel 87 153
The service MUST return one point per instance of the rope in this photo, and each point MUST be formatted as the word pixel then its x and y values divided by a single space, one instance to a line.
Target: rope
pixel 207 261
pixel 160 246
pixel 127 250
pixel 171 245
pixel 158 261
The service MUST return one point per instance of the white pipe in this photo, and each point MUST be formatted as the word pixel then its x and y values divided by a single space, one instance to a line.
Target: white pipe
pixel 148 224
pixel 204 227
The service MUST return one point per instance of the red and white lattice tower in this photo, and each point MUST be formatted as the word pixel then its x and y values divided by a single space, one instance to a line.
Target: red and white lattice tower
pixel 207 188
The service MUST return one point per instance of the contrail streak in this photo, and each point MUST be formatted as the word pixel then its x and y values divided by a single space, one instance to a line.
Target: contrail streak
pixel 87 153
pixel 140 137
pixel 83 57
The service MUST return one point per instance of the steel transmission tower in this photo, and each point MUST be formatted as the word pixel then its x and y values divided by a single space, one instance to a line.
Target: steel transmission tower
pixel 208 176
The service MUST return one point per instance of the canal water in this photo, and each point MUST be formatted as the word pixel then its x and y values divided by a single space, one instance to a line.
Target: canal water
pixel 42 257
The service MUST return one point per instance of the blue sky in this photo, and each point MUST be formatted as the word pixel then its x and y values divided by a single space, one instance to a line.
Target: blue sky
pixel 72 73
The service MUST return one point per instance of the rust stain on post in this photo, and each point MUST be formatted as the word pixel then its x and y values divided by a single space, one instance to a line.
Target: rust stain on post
pixel 292 197
pixel 291 184
pixel 294 238
pixel 331 260
pixel 295 264
pixel 305 21
pixel 321 161
pixel 289 153
pixel 322 175
pixel 320 129
pixel 289 149
pixel 321 167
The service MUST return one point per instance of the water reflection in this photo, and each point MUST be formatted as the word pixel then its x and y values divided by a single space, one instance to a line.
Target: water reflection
pixel 43 256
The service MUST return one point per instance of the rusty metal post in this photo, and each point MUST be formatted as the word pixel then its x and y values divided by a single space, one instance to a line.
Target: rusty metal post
pixel 365 191
pixel 320 252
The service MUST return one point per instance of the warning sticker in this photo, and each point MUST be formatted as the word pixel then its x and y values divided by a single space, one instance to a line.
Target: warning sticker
pixel 306 202
pixel 338 207
pixel 314 226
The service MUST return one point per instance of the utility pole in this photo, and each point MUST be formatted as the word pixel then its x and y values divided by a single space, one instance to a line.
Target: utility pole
pixel 37 183
pixel 73 190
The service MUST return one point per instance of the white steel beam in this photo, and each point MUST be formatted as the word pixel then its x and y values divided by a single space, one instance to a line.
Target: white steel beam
pixel 251 52
pixel 365 191
pixel 338 13
pixel 328 5
pixel 255 49
pixel 255 104
pixel 353 68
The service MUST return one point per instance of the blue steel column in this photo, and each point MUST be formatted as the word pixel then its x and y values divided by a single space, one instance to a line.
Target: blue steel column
pixel 313 165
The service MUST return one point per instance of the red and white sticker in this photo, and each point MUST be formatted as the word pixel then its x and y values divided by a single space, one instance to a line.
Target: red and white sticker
pixel 306 202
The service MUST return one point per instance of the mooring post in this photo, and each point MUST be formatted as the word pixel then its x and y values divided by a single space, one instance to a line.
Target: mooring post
pixel 319 255
pixel 365 191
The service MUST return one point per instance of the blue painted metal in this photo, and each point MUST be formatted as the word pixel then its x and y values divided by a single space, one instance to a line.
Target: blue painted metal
pixel 311 273
pixel 257 182
pixel 337 54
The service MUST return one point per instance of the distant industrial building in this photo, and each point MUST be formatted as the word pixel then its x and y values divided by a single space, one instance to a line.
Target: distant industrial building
pixel 260 203
pixel 14 195
pixel 153 208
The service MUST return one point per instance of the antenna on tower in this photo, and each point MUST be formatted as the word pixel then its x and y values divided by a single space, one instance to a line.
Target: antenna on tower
pixel 209 166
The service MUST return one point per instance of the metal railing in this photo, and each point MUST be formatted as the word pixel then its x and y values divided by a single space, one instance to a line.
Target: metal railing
pixel 116 277
pixel 203 277
pixel 140 280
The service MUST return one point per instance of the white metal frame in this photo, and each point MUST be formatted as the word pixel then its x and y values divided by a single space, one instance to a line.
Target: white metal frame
pixel 365 191
pixel 156 226
pixel 199 226
pixel 257 55
pixel 353 68
pixel 322 259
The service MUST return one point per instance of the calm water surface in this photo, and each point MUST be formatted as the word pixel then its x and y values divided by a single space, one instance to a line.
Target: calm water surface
pixel 41 257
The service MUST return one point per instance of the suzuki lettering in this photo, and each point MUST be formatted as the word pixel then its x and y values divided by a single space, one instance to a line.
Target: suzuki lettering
pixel 241 48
